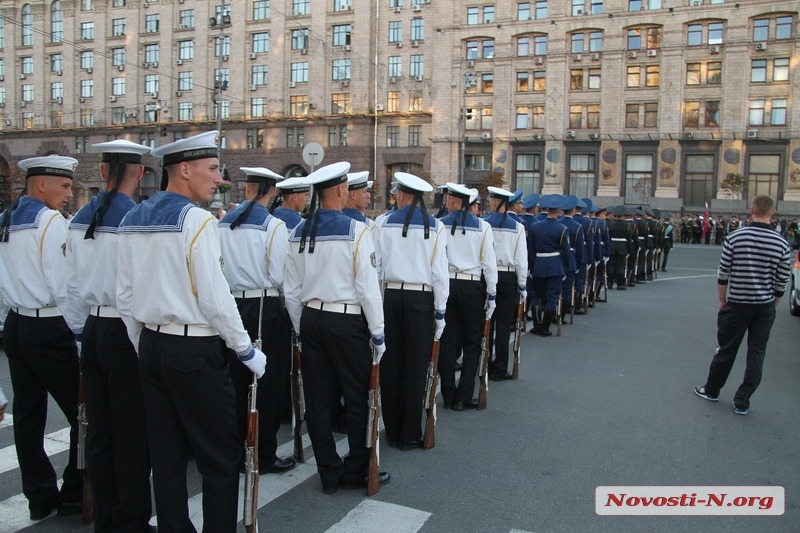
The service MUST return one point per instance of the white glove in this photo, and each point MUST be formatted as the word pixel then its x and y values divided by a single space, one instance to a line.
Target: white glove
pixel 438 319
pixel 490 305
pixel 380 347
pixel 257 363
pixel 523 294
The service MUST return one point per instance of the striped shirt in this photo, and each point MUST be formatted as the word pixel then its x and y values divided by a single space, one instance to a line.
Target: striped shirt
pixel 755 264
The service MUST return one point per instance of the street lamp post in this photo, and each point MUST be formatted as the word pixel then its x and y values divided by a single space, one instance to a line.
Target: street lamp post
pixel 221 22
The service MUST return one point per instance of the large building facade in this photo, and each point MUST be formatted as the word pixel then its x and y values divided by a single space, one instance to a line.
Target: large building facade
pixel 671 103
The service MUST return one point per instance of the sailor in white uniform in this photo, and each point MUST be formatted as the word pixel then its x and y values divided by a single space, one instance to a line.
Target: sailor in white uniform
pixel 253 246
pixel 41 349
pixel 470 254
pixel 334 301
pixel 294 195
pixel 358 197
pixel 170 281
pixel 412 246
pixel 116 444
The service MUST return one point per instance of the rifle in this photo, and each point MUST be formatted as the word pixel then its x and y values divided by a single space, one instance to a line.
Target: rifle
pixel 250 511
pixel 298 401
pixel 428 441
pixel 373 423
pixel 483 366
pixel 572 303
pixel 605 280
pixel 558 316
pixel 518 331
pixel 585 302
pixel 83 426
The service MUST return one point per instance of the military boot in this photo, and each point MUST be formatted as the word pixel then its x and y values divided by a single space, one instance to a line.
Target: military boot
pixel 537 321
pixel 546 321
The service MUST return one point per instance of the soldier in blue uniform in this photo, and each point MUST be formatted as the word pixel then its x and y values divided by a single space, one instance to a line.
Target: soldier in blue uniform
pixel 577 253
pixel 604 249
pixel 586 272
pixel 548 245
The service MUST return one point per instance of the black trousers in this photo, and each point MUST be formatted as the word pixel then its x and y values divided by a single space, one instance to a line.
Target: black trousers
pixel 616 269
pixel 42 359
pixel 550 287
pixel 409 337
pixel 336 361
pixel 190 401
pixel 664 257
pixel 272 385
pixel 503 319
pixel 644 258
pixel 733 320
pixel 462 333
pixel 116 442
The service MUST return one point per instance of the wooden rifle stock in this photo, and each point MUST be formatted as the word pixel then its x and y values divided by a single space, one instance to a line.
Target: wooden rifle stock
pixel 251 463
pixel 572 303
pixel 518 331
pixel 373 423
pixel 83 424
pixel 298 401
pixel 483 368
pixel 429 440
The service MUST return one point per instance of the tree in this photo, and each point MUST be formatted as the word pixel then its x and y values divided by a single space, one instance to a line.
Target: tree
pixel 491 179
pixel 732 186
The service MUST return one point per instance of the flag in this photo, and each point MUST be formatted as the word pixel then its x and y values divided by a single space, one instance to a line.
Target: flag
pixel 706 221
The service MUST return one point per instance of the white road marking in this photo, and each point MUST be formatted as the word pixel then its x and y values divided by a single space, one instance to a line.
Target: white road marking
pixel 7 422
pixel 374 515
pixel 685 277
pixel 15 513
pixel 54 443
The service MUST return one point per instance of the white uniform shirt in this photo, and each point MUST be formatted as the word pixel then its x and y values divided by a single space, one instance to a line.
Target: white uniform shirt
pixel 170 269
pixel 342 269
pixel 414 259
pixel 33 271
pixel 471 249
pixel 254 252
pixel 511 247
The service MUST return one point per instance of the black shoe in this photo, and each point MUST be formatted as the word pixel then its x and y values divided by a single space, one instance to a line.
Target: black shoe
pixel 701 391
pixel 330 490
pixel 406 446
pixel 622 288
pixel 70 508
pixel 40 513
pixel 500 377
pixel 458 406
pixel 391 442
pixel 383 479
pixel 279 466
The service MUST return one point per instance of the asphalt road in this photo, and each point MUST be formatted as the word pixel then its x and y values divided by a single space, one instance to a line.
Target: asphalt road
pixel 610 402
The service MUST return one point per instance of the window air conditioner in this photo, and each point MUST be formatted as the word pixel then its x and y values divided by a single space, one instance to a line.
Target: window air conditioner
pixel 22 76
pixel 576 57
pixel 398 9
pixel 342 143
pixel 112 98
pixel 253 55
pixel 652 53
pixel 414 44
pixel 82 100
pixel 486 136
pixel 89 70
pixel 121 68
pixel 378 107
pixel 419 78
pixel 713 49
pixel 399 44
pixel 595 57
pixel 292 84
pixel 179 62
pixel 594 136
pixel 59 100
pixel 178 93
pixel 416 8
pixel 304 51
pixel 392 80
pixel 631 55
pixel 346 48
pixel 59 73
pixel 538 60
pixel 345 83
pixel 299 145
pixel 253 87
pixel 761 46
pixel 752 134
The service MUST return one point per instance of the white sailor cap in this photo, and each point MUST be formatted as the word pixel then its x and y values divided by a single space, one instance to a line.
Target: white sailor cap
pixel 121 151
pixel 260 175
pixel 474 195
pixel 393 190
pixel 49 165
pixel 293 185
pixel 329 175
pixel 358 180
pixel 200 146
pixel 497 192
pixel 458 190
pixel 409 183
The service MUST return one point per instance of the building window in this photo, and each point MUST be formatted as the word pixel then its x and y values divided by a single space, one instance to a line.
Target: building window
pixel 87 117
pixel 761 30
pixel 300 72
pixel 118 27
pixel 632 115
pixel 260 43
pixel 639 5
pixel 393 102
pixel 56 22
pixel 711 118
pixel 417 29
pixel 527 174
pixel 524 11
pixel 780 69
pixel 87 31
pixel 147 139
pixel 259 75
pixel 594 78
pixel 2 33
pixel 185 81
pixel 26 21
pixel 575 79
pixel 118 86
pixel 416 65
pixel 470 121
pixel 691 114
pixel 783 28
pixel 340 69
pixel 395 31
pixel 488 49
pixel 415 101
pixel 653 75
pixel 151 84
pixel 539 80
pixel 81 144
pixel 87 60
pixel 28 120
pixel 392 136
pixel 118 115
pixel 478 161
pixel 581 172
pixel 487 118
pixel 756 116
pixel 301 7
pixel 337 136
pixel 634 78
pixel 778 112
pixel 341 34
pixel 714 73
pixel 56 90
pixel 638 178
pixel 151 23
pixel 537 117
pixel 523 46
pixel 185 111
pixel 414 135
pixel 255 138
pixel 340 103
pixel 87 5
pixel 395 69
pixel 710 33
pixel 576 116
pixel 300 39
pixel 472 50
pixel 342 5
pixel 487 83
pixel 523 82
pixel 258 107
pixel 87 88
pixel 26 65
pixel 118 57
pixel 295 137
pixel 593 116
pixel 651 115
pixel 472 15
pixel 222 46
pixel 698 182
pixel 764 175
pixel 186 18
pixel 260 9
pixel 540 45
pixel 151 53
pixel 523 121
pixel 298 105
pixel 583 7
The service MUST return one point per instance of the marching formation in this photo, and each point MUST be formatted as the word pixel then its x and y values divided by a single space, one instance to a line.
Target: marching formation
pixel 160 314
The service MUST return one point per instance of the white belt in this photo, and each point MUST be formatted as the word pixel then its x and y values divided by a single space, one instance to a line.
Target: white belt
pixel 348 309
pixel 105 311
pixel 256 293
pixel 44 312
pixel 185 330
pixel 547 254
pixel 642 238
pixel 408 286
pixel 619 239
pixel 459 275
pixel 651 235
pixel 506 268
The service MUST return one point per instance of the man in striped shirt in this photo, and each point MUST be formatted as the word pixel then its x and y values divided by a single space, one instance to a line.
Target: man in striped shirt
pixel 752 277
